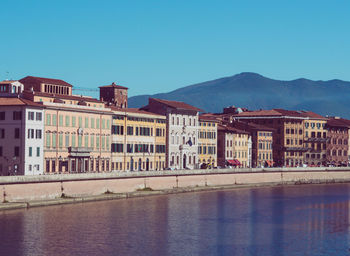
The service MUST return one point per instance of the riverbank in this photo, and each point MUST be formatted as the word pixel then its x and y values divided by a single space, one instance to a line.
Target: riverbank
pixel 147 191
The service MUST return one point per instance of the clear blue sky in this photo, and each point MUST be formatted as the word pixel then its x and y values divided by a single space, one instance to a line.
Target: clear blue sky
pixel 157 46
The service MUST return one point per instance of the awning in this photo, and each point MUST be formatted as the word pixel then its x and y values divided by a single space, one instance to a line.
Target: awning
pixel 233 162
pixel 237 162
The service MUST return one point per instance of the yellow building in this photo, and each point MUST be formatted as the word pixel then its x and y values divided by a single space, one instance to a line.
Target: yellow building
pixel 241 148
pixel 315 139
pixel 234 147
pixel 138 140
pixel 207 142
pixel 77 129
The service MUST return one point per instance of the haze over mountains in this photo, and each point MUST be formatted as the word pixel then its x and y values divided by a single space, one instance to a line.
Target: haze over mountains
pixel 254 91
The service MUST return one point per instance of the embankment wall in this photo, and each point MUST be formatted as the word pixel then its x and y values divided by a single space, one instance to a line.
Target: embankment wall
pixel 46 187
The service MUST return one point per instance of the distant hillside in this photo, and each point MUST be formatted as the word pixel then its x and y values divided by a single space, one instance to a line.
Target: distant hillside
pixel 254 91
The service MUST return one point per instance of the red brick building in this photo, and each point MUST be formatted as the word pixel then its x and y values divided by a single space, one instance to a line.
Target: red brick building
pixel 338 141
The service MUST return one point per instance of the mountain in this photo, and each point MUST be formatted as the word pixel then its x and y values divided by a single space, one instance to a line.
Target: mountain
pixel 254 91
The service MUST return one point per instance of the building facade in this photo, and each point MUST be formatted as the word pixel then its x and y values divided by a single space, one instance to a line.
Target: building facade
pixel 338 142
pixel 21 137
pixel 233 147
pixel 315 139
pixel 207 142
pixel 115 95
pixel 182 132
pixel 138 140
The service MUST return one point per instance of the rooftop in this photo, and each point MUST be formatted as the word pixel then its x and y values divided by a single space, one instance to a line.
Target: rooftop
pixel 177 104
pixel 45 80
pixel 114 85
pixel 68 97
pixel 5 101
pixel 231 129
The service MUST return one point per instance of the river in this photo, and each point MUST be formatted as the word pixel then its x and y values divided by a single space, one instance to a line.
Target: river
pixel 290 220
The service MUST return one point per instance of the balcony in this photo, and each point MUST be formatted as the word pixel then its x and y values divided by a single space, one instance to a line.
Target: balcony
pixel 79 152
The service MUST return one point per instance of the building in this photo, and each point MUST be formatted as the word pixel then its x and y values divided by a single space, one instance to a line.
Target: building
pixel 338 141
pixel 315 139
pixel 288 140
pixel 115 95
pixel 21 136
pixel 233 147
pixel 262 141
pixel 77 129
pixel 207 141
pixel 182 132
pixel 138 140
pixel 10 88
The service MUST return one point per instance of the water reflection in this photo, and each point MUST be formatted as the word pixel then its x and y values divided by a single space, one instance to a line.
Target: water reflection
pixel 299 220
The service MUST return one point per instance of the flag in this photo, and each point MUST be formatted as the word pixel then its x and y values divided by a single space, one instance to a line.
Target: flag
pixel 189 142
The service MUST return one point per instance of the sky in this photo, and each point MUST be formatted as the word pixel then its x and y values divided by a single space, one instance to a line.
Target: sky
pixel 159 46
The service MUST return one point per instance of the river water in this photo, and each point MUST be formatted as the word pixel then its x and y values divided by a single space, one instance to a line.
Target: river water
pixel 293 220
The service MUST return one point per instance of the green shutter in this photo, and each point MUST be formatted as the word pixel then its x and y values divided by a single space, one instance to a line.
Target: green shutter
pixel 92 122
pixel 48 139
pixel 48 119
pixel 73 140
pixel 54 120
pixel 54 140
pixel 60 140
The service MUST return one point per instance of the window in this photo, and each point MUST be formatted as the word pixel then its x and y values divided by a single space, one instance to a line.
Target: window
pixel 80 120
pixel 92 122
pixel 86 122
pixel 48 140
pixel 97 141
pixel 16 151
pixel 2 133
pixel 30 151
pixel 130 130
pixel 30 133
pixel 73 140
pixel 30 115
pixel 92 140
pixel 67 121
pixel 0 151
pixel 117 147
pixel 54 119
pixel 80 137
pixel 73 121
pixel 54 140
pixel 39 116
pixel 16 133
pixel 2 115
pixel 38 151
pixel 38 134
pixel 103 124
pixel 60 120
pixel 67 140
pixel 97 123
pixel 17 115
pixel 60 140
pixel 48 119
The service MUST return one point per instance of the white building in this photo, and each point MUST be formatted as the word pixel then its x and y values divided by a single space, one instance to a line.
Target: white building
pixel 21 137
pixel 182 132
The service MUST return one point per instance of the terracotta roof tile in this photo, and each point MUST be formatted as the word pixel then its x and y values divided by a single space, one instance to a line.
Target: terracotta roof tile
pixel 115 86
pixel 46 80
pixel 68 97
pixel 18 102
pixel 177 104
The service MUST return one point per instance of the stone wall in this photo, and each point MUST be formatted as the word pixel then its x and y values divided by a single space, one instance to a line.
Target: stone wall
pixel 45 187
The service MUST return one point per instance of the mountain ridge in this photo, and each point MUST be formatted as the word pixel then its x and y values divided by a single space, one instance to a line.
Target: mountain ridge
pixel 254 91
